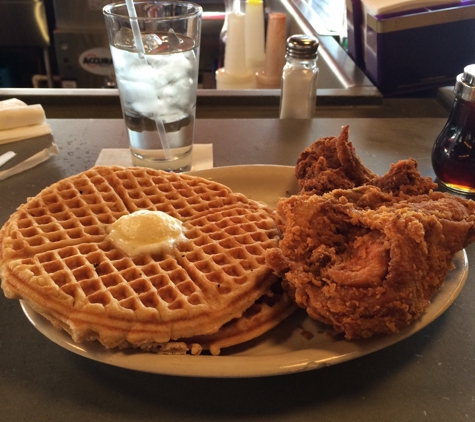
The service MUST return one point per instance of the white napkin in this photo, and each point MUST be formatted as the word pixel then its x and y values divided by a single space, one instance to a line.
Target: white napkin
pixel 20 133
pixel 202 157
pixel 12 102
pixel 21 121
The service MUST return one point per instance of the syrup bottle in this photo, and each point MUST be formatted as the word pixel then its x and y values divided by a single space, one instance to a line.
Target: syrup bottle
pixel 453 154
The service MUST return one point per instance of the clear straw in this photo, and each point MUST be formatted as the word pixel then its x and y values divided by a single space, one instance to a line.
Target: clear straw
pixel 162 134
pixel 135 29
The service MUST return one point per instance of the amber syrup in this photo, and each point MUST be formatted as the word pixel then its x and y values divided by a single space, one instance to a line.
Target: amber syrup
pixel 453 155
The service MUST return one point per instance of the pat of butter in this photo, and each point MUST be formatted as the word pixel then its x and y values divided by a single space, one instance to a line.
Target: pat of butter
pixel 146 231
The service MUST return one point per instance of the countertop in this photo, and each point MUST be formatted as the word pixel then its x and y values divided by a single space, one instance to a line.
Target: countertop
pixel 428 376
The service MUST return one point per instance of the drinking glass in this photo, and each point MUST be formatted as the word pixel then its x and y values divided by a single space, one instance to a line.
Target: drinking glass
pixel 155 55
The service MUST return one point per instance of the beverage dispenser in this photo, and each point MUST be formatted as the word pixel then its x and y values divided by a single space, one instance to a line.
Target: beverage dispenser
pixel 81 44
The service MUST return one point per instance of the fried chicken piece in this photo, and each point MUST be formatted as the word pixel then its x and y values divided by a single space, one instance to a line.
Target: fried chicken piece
pixel 331 163
pixel 404 177
pixel 368 262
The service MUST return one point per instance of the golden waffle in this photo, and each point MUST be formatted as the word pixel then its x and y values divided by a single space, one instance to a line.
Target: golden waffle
pixel 55 255
pixel 265 314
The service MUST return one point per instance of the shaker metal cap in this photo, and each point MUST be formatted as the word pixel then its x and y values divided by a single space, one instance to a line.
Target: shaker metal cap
pixel 302 46
pixel 465 84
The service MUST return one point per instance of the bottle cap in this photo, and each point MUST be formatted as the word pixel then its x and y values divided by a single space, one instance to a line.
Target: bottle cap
pixel 465 84
pixel 302 47
pixel 469 75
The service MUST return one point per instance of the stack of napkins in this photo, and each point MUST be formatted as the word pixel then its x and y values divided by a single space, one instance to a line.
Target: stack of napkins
pixel 21 121
pixel 202 157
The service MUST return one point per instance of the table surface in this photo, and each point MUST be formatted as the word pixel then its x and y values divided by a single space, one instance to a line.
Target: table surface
pixel 428 376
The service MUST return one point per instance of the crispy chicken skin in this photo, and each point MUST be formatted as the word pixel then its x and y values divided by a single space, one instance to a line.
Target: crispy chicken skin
pixel 331 163
pixel 366 261
pixel 404 177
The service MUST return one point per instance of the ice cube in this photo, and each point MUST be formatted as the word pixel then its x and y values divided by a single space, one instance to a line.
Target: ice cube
pixel 173 41
pixel 187 92
pixel 139 94
pixel 151 42
pixel 124 38
pixel 174 67
pixel 130 67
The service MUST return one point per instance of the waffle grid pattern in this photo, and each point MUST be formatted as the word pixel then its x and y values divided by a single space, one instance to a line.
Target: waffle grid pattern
pixel 58 240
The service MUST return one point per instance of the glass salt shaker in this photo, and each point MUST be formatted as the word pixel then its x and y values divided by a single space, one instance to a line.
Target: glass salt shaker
pixel 453 154
pixel 299 78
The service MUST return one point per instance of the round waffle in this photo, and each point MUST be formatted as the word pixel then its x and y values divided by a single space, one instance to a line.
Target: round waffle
pixel 270 309
pixel 55 254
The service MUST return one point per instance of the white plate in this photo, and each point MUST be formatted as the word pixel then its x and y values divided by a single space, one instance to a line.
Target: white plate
pixel 286 348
